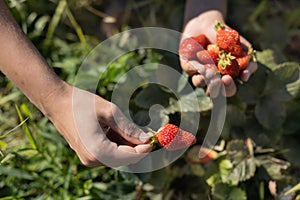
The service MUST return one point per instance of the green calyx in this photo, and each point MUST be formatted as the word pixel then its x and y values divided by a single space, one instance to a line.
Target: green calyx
pixel 225 59
pixel 219 25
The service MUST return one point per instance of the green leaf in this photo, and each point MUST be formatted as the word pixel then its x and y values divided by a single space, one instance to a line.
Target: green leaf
pixel 267 58
pixel 287 72
pixel 225 192
pixel 270 114
pixel 196 101
pixel 17 173
pixel 27 130
pixel 240 164
pixel 151 95
pixel 273 166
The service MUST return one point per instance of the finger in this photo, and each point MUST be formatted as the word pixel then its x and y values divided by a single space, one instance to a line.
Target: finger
pixel 192 67
pixel 214 86
pixel 125 155
pixel 251 68
pixel 230 87
pixel 126 128
pixel 198 80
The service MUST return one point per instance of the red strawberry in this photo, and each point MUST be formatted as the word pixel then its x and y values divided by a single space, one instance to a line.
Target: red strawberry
pixel 244 60
pixel 228 39
pixel 173 138
pixel 213 51
pixel 204 57
pixel 228 65
pixel 202 40
pixel 188 48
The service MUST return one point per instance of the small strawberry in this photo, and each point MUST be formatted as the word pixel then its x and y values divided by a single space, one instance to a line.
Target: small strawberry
pixel 188 48
pixel 207 155
pixel 228 65
pixel 204 57
pixel 198 154
pixel 213 51
pixel 202 40
pixel 245 58
pixel 228 39
pixel 173 138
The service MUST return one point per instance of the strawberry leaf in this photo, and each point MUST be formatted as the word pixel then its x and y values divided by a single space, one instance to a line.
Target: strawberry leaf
pixel 195 101
pixel 270 114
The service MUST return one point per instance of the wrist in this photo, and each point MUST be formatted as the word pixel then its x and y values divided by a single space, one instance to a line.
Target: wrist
pixel 54 100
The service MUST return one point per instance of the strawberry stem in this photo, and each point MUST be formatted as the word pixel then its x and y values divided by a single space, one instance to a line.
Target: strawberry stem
pixel 219 25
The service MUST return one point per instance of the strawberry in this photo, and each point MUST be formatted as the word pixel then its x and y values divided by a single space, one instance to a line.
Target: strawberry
pixel 213 50
pixel 245 58
pixel 173 138
pixel 202 40
pixel 204 57
pixel 198 154
pixel 188 48
pixel 207 155
pixel 228 39
pixel 228 65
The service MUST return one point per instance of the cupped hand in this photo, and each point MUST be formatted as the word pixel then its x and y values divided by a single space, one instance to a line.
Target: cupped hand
pixel 203 76
pixel 96 129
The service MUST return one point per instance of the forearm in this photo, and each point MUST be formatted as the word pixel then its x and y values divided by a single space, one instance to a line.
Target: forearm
pixel 193 8
pixel 22 63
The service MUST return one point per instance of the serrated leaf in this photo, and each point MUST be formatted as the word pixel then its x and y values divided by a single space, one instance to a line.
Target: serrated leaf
pixel 266 58
pixel 294 88
pixel 240 164
pixel 287 72
pixel 196 101
pixel 273 166
pixel 270 114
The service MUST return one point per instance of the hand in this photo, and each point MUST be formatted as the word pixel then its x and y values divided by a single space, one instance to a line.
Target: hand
pixel 95 129
pixel 204 24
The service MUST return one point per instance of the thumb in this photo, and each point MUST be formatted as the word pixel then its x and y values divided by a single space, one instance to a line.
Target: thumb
pixel 117 121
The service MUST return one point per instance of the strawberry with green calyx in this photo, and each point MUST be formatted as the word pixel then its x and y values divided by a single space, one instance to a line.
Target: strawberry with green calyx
pixel 245 58
pixel 172 138
pixel 228 65
pixel 228 39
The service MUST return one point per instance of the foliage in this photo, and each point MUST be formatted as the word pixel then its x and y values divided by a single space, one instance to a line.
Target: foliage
pixel 257 153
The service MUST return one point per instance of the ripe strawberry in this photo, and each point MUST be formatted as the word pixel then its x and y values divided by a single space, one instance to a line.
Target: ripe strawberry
pixel 213 51
pixel 188 48
pixel 173 138
pixel 202 40
pixel 228 39
pixel 204 57
pixel 245 58
pixel 228 65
